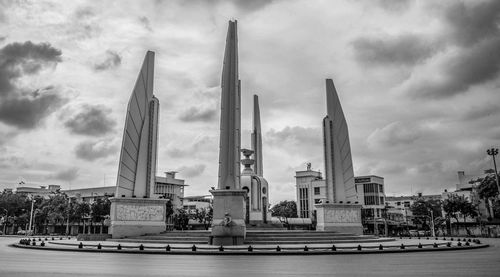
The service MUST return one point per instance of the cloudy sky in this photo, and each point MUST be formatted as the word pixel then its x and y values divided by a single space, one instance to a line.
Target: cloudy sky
pixel 418 81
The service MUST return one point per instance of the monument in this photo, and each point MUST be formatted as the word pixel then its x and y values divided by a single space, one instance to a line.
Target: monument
pixel 228 225
pixel 133 211
pixel 252 181
pixel 339 210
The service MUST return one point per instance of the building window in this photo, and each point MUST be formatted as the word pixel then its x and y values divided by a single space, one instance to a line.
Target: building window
pixel 381 188
pixel 304 202
pixel 317 201
pixel 317 191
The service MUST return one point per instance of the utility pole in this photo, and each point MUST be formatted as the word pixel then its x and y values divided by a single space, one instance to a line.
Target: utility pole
pixel 493 152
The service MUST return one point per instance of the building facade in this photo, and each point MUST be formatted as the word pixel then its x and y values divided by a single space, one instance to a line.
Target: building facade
pixel 310 190
pixel 371 194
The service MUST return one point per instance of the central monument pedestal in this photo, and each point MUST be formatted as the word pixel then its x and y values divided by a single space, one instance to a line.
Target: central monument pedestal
pixel 137 216
pixel 228 225
pixel 345 218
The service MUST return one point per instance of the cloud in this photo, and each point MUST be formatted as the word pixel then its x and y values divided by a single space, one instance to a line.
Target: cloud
pixel 93 150
pixel 393 134
pixel 295 135
pixel 472 56
pixel 204 114
pixel 460 71
pixel 394 5
pixel 91 120
pixel 472 23
pixel 69 174
pixel 110 60
pixel 191 171
pixel 146 23
pixel 201 143
pixel 407 49
pixel 479 112
pixel 19 107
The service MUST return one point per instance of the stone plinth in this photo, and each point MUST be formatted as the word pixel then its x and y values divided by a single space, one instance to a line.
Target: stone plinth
pixel 228 225
pixel 137 216
pixel 344 218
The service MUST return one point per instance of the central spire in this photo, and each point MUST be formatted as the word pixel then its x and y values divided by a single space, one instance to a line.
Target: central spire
pixel 230 120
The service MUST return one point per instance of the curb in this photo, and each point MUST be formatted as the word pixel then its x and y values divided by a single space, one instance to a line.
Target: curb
pixel 255 252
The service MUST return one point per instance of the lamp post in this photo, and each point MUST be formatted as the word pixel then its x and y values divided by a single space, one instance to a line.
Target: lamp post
pixel 31 216
pixel 493 152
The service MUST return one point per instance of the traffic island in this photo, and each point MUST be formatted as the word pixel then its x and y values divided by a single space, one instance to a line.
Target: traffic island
pixel 402 246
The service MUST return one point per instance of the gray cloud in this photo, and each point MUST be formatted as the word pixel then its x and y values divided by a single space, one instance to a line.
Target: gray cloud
pixel 146 23
pixel 191 171
pixel 110 60
pixel 84 12
pixel 393 134
pixel 479 112
pixel 295 135
pixel 2 39
pixel 407 49
pixel 69 174
pixel 472 66
pixel 202 143
pixel 472 23
pixel 91 120
pixel 394 5
pixel 198 114
pixel 475 59
pixel 19 107
pixel 93 150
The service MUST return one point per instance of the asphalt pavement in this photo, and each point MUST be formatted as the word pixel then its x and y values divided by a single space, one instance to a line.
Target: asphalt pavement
pixel 27 262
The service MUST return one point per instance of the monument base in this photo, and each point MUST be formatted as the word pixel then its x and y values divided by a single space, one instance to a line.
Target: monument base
pixel 137 217
pixel 228 225
pixel 344 218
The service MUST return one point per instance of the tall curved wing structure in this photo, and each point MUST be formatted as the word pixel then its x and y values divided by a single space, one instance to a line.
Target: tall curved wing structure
pixel 138 156
pixel 339 172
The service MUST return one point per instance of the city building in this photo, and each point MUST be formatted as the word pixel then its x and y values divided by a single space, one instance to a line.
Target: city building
pixel 192 203
pixel 310 190
pixel 91 194
pixel 43 191
pixel 170 188
pixel 371 194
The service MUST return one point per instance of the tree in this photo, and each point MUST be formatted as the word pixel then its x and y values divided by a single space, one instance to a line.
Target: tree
pixel 488 190
pixel 422 209
pixel 205 216
pixel 181 219
pixel 285 210
pixel 458 205
pixel 100 208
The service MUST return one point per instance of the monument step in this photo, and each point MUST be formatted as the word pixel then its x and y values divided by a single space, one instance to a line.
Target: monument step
pixel 308 238
pixel 278 242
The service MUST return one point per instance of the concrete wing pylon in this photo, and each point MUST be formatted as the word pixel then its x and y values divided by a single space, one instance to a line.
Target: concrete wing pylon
pixel 339 172
pixel 138 155
pixel 229 147
pixel 257 138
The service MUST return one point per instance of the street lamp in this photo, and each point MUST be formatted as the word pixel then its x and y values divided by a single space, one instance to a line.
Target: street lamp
pixel 493 152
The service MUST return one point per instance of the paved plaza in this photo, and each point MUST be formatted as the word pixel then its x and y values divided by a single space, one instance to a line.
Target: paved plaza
pixel 25 262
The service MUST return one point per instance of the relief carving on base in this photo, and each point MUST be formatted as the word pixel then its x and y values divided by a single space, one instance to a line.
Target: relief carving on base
pixel 342 216
pixel 139 213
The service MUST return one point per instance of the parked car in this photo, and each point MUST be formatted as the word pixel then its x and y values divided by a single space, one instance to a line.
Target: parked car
pixel 21 232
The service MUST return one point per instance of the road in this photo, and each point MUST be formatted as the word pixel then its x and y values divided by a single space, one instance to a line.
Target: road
pixel 26 262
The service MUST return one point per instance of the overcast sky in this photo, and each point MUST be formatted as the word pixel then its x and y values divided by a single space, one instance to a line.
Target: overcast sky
pixel 418 81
